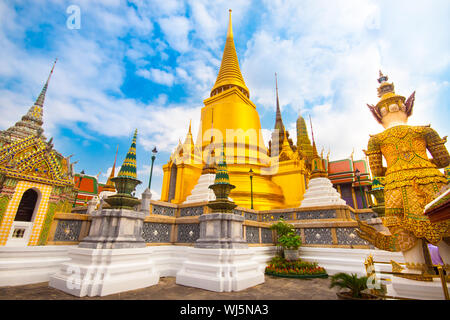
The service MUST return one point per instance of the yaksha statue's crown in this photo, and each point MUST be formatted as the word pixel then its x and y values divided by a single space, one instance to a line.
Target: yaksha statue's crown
pixel 388 97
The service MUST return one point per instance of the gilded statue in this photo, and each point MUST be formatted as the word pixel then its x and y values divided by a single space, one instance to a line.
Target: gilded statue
pixel 411 179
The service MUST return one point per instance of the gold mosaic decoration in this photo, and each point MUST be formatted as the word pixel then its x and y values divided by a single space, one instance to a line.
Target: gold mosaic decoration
pixel 8 218
pixel 34 160
pixel 411 179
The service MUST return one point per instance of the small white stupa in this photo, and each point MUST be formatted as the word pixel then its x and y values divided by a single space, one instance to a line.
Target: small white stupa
pixel 201 191
pixel 320 191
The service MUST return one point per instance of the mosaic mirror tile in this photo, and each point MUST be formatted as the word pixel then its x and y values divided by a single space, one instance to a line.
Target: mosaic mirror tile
pixel 348 236
pixel 68 230
pixel 191 211
pixel 316 214
pixel 252 234
pixel 165 211
pixel 266 235
pixel 188 233
pixel 251 216
pixel 156 232
pixel 276 216
pixel 318 236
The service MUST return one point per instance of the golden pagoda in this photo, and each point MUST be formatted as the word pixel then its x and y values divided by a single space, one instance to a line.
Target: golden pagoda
pixel 277 183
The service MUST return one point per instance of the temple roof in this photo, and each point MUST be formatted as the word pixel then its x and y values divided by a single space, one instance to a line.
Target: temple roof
pixel 31 122
pixel 229 73
pixel 33 159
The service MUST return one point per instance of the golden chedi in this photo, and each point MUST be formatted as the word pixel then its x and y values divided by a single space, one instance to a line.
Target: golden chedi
pixel 411 179
pixel 236 123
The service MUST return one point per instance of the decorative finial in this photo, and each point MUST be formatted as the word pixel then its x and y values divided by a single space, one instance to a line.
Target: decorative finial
pixel 230 27
pixel 41 98
pixel 126 181
pixel 382 78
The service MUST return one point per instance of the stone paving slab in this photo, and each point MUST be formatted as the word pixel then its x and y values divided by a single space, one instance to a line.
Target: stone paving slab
pixel 274 288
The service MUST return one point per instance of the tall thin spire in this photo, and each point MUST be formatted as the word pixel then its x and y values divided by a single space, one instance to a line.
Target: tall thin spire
pixel 41 98
pixel 109 184
pixel 230 26
pixel 315 154
pixel 229 73
pixel 278 120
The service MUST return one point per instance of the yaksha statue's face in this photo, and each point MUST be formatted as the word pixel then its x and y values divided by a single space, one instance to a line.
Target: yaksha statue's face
pixel 393 115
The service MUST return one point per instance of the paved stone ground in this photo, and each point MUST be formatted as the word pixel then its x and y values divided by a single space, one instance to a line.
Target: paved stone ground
pixel 273 289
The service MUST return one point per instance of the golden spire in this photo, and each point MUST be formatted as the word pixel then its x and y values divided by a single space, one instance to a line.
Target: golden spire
pixel 229 73
pixel 315 154
pixel 109 185
pixel 189 140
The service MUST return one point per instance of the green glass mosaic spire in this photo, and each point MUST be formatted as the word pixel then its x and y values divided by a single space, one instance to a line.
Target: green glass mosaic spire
pixel 222 170
pixel 128 168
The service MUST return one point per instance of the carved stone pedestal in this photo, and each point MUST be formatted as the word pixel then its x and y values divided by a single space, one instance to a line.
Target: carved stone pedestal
pixel 112 259
pixel 115 229
pixel 221 230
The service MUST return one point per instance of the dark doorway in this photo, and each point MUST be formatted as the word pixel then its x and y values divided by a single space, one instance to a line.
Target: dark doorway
pixel 26 206
pixel 173 182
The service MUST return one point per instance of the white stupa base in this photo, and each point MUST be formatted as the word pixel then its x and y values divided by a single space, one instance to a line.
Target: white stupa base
pixel 100 272
pixel 220 270
pixel 201 191
pixel 320 192
pixel 421 290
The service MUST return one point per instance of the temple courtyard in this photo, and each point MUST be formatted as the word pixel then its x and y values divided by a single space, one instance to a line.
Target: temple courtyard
pixel 272 289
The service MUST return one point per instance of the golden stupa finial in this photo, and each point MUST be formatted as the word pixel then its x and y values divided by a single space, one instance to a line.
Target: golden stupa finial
pixel 229 74
pixel 230 28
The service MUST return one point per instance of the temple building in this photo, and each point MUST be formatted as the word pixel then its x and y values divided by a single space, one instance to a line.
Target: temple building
pixel 36 181
pixel 277 183
pixel 89 187
pixel 342 175
pixel 280 172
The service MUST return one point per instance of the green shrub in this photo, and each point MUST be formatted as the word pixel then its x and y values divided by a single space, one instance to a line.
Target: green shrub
pixel 352 282
pixel 290 241
pixel 282 228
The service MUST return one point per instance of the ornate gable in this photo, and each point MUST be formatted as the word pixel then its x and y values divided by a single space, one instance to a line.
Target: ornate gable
pixel 33 159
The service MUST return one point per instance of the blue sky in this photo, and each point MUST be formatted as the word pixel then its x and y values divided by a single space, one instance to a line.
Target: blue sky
pixel 150 64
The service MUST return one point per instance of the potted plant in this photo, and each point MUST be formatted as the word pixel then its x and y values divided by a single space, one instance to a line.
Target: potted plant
pixel 282 229
pixel 355 285
pixel 290 243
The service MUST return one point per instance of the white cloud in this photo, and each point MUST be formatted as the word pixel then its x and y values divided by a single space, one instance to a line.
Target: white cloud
pixel 176 30
pixel 158 76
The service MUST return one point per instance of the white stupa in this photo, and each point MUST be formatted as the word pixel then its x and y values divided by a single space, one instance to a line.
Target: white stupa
pixel 201 191
pixel 320 191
